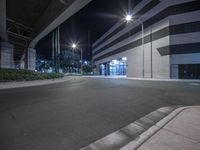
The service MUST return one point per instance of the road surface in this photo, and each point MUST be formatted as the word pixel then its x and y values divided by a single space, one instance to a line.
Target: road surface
pixel 72 114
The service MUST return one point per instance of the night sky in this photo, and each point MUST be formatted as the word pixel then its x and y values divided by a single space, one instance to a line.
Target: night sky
pixel 86 26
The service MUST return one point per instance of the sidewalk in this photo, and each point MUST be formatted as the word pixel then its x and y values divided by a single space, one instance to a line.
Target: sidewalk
pixel 181 133
pixel 179 129
pixel 18 84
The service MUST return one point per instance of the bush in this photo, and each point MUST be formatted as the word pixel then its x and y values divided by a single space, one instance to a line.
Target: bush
pixel 27 75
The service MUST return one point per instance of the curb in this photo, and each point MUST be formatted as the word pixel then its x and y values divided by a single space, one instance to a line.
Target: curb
pixel 144 79
pixel 135 134
pixel 153 130
pixel 165 80
pixel 21 84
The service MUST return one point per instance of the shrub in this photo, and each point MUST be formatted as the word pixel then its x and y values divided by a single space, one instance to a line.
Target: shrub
pixel 27 75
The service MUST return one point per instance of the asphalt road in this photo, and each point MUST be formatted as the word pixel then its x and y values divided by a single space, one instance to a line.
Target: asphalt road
pixel 72 114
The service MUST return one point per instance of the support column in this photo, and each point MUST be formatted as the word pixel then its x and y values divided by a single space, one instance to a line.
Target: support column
pixel 6 54
pixel 6 49
pixel 31 59
pixel 97 70
pixel 53 51
pixel 56 49
pixel 3 34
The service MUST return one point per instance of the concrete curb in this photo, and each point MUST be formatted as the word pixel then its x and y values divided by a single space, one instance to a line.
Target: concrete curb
pixel 167 80
pixel 151 131
pixel 136 133
pixel 106 77
pixel 144 79
pixel 20 84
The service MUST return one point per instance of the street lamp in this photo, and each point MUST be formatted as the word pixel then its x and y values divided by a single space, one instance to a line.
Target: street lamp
pixel 74 46
pixel 129 18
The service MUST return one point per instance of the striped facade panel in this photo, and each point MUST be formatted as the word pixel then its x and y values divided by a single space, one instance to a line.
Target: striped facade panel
pixel 171 37
pixel 184 40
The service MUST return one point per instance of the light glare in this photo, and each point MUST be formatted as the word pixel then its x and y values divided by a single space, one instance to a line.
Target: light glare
pixel 124 58
pixel 128 18
pixel 115 62
pixel 73 45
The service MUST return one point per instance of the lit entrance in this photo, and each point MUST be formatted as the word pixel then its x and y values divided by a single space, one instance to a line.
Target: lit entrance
pixel 114 67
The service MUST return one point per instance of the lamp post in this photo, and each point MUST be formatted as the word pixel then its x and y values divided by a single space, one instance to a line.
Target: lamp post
pixel 74 46
pixel 142 46
pixel 128 19
pixel 81 61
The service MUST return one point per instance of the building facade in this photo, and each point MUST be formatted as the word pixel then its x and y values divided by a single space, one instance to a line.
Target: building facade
pixel 70 61
pixel 168 47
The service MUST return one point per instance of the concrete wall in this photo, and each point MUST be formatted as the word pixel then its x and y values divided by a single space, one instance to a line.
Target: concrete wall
pixel 3 35
pixel 6 49
pixel 186 42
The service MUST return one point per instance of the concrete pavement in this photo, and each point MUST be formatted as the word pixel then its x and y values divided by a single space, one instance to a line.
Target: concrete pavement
pixel 181 133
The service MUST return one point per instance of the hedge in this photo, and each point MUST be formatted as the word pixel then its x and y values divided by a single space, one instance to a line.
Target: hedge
pixel 25 75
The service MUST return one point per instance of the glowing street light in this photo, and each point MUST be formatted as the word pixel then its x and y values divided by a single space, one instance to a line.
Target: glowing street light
pixel 74 46
pixel 115 62
pixel 85 62
pixel 128 17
